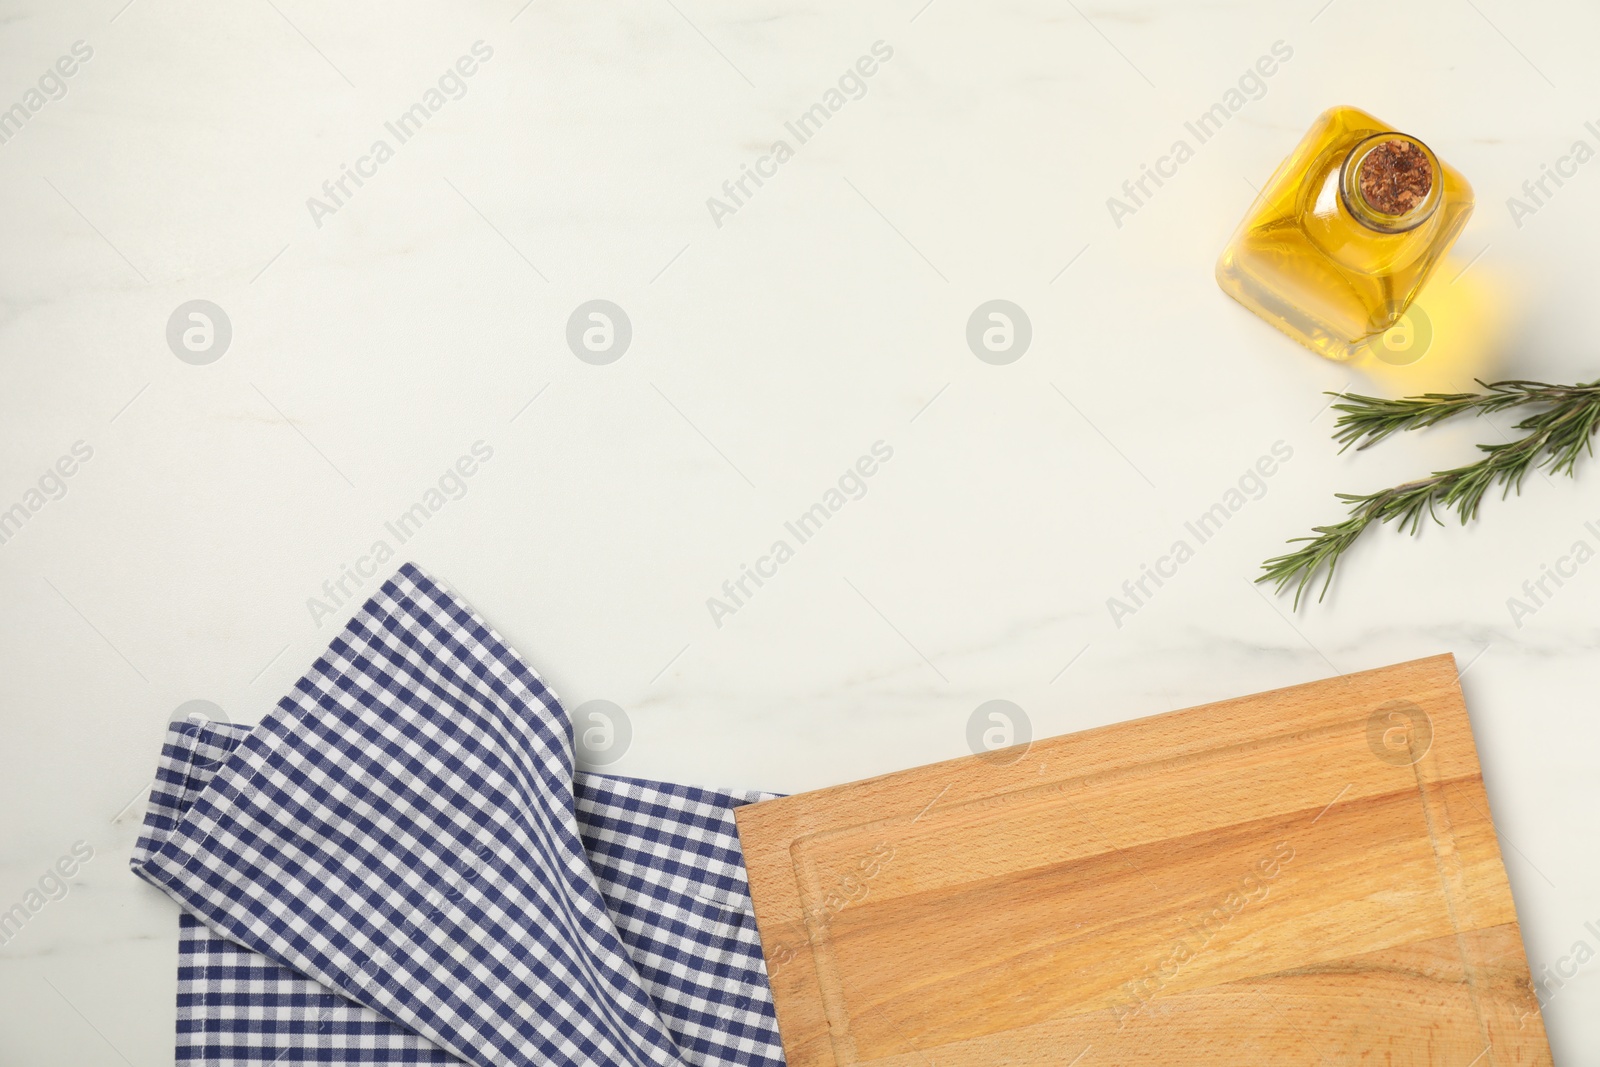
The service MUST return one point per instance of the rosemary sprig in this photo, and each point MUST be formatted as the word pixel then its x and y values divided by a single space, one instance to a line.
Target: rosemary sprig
pixel 1555 439
pixel 1373 418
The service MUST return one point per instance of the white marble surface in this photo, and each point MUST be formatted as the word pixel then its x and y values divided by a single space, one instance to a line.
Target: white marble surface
pixel 826 313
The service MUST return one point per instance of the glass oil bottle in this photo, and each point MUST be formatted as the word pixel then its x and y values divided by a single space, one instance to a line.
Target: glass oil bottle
pixel 1346 232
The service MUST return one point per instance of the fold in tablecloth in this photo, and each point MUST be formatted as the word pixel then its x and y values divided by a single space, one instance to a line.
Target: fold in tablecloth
pixel 399 865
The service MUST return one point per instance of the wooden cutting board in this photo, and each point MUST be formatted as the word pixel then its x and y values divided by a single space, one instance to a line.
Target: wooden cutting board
pixel 1306 876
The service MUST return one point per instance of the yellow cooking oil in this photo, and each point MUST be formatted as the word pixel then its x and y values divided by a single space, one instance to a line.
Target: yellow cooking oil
pixel 1345 234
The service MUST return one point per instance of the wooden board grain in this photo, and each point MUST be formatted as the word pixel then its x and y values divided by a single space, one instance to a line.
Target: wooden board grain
pixel 1305 876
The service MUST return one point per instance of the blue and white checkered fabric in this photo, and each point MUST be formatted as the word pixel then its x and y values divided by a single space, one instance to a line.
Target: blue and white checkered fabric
pixel 399 865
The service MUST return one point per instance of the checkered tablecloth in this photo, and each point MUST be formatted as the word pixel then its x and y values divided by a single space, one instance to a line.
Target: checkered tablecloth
pixel 400 865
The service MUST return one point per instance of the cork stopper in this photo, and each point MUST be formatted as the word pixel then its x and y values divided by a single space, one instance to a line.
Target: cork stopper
pixel 1395 177
pixel 1391 182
